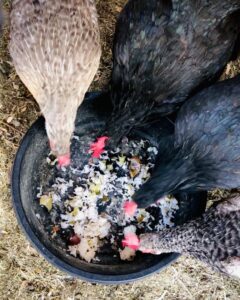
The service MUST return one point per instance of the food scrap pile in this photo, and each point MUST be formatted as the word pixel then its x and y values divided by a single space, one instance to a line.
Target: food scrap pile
pixel 86 205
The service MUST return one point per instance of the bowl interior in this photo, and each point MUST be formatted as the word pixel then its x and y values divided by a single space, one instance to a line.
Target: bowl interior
pixel 30 168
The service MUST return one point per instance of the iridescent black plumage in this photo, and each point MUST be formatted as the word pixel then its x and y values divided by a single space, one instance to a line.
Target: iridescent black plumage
pixel 163 52
pixel 207 146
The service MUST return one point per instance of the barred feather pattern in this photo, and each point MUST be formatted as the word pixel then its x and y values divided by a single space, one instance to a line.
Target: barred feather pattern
pixel 213 238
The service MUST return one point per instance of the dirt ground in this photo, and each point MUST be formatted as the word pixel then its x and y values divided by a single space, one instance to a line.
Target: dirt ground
pixel 26 275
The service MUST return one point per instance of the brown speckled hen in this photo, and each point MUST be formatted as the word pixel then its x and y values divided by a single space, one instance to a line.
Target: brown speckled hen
pixel 55 47
pixel 213 238
pixel 164 51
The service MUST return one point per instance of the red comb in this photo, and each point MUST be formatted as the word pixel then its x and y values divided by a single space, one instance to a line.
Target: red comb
pixel 98 147
pixel 131 241
pixel 130 208
pixel 64 160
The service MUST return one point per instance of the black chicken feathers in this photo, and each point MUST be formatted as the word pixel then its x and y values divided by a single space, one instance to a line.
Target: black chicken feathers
pixel 207 146
pixel 164 51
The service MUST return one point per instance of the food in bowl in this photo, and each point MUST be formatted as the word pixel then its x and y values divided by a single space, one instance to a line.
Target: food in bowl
pixel 85 205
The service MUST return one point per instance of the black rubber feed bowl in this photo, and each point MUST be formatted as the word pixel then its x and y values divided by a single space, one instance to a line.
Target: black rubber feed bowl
pixel 26 174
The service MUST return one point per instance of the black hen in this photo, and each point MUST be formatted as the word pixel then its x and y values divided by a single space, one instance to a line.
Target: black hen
pixel 164 50
pixel 207 146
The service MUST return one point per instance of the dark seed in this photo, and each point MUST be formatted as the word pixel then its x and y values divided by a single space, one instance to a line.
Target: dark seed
pixel 74 240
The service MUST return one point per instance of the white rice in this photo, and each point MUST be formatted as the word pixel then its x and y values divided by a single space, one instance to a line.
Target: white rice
pixel 85 219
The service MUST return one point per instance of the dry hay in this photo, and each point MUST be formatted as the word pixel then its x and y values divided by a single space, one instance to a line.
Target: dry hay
pixel 26 275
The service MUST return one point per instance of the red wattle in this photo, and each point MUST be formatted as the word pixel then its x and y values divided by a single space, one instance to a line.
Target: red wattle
pixel 64 160
pixel 130 208
pixel 97 148
pixel 131 241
